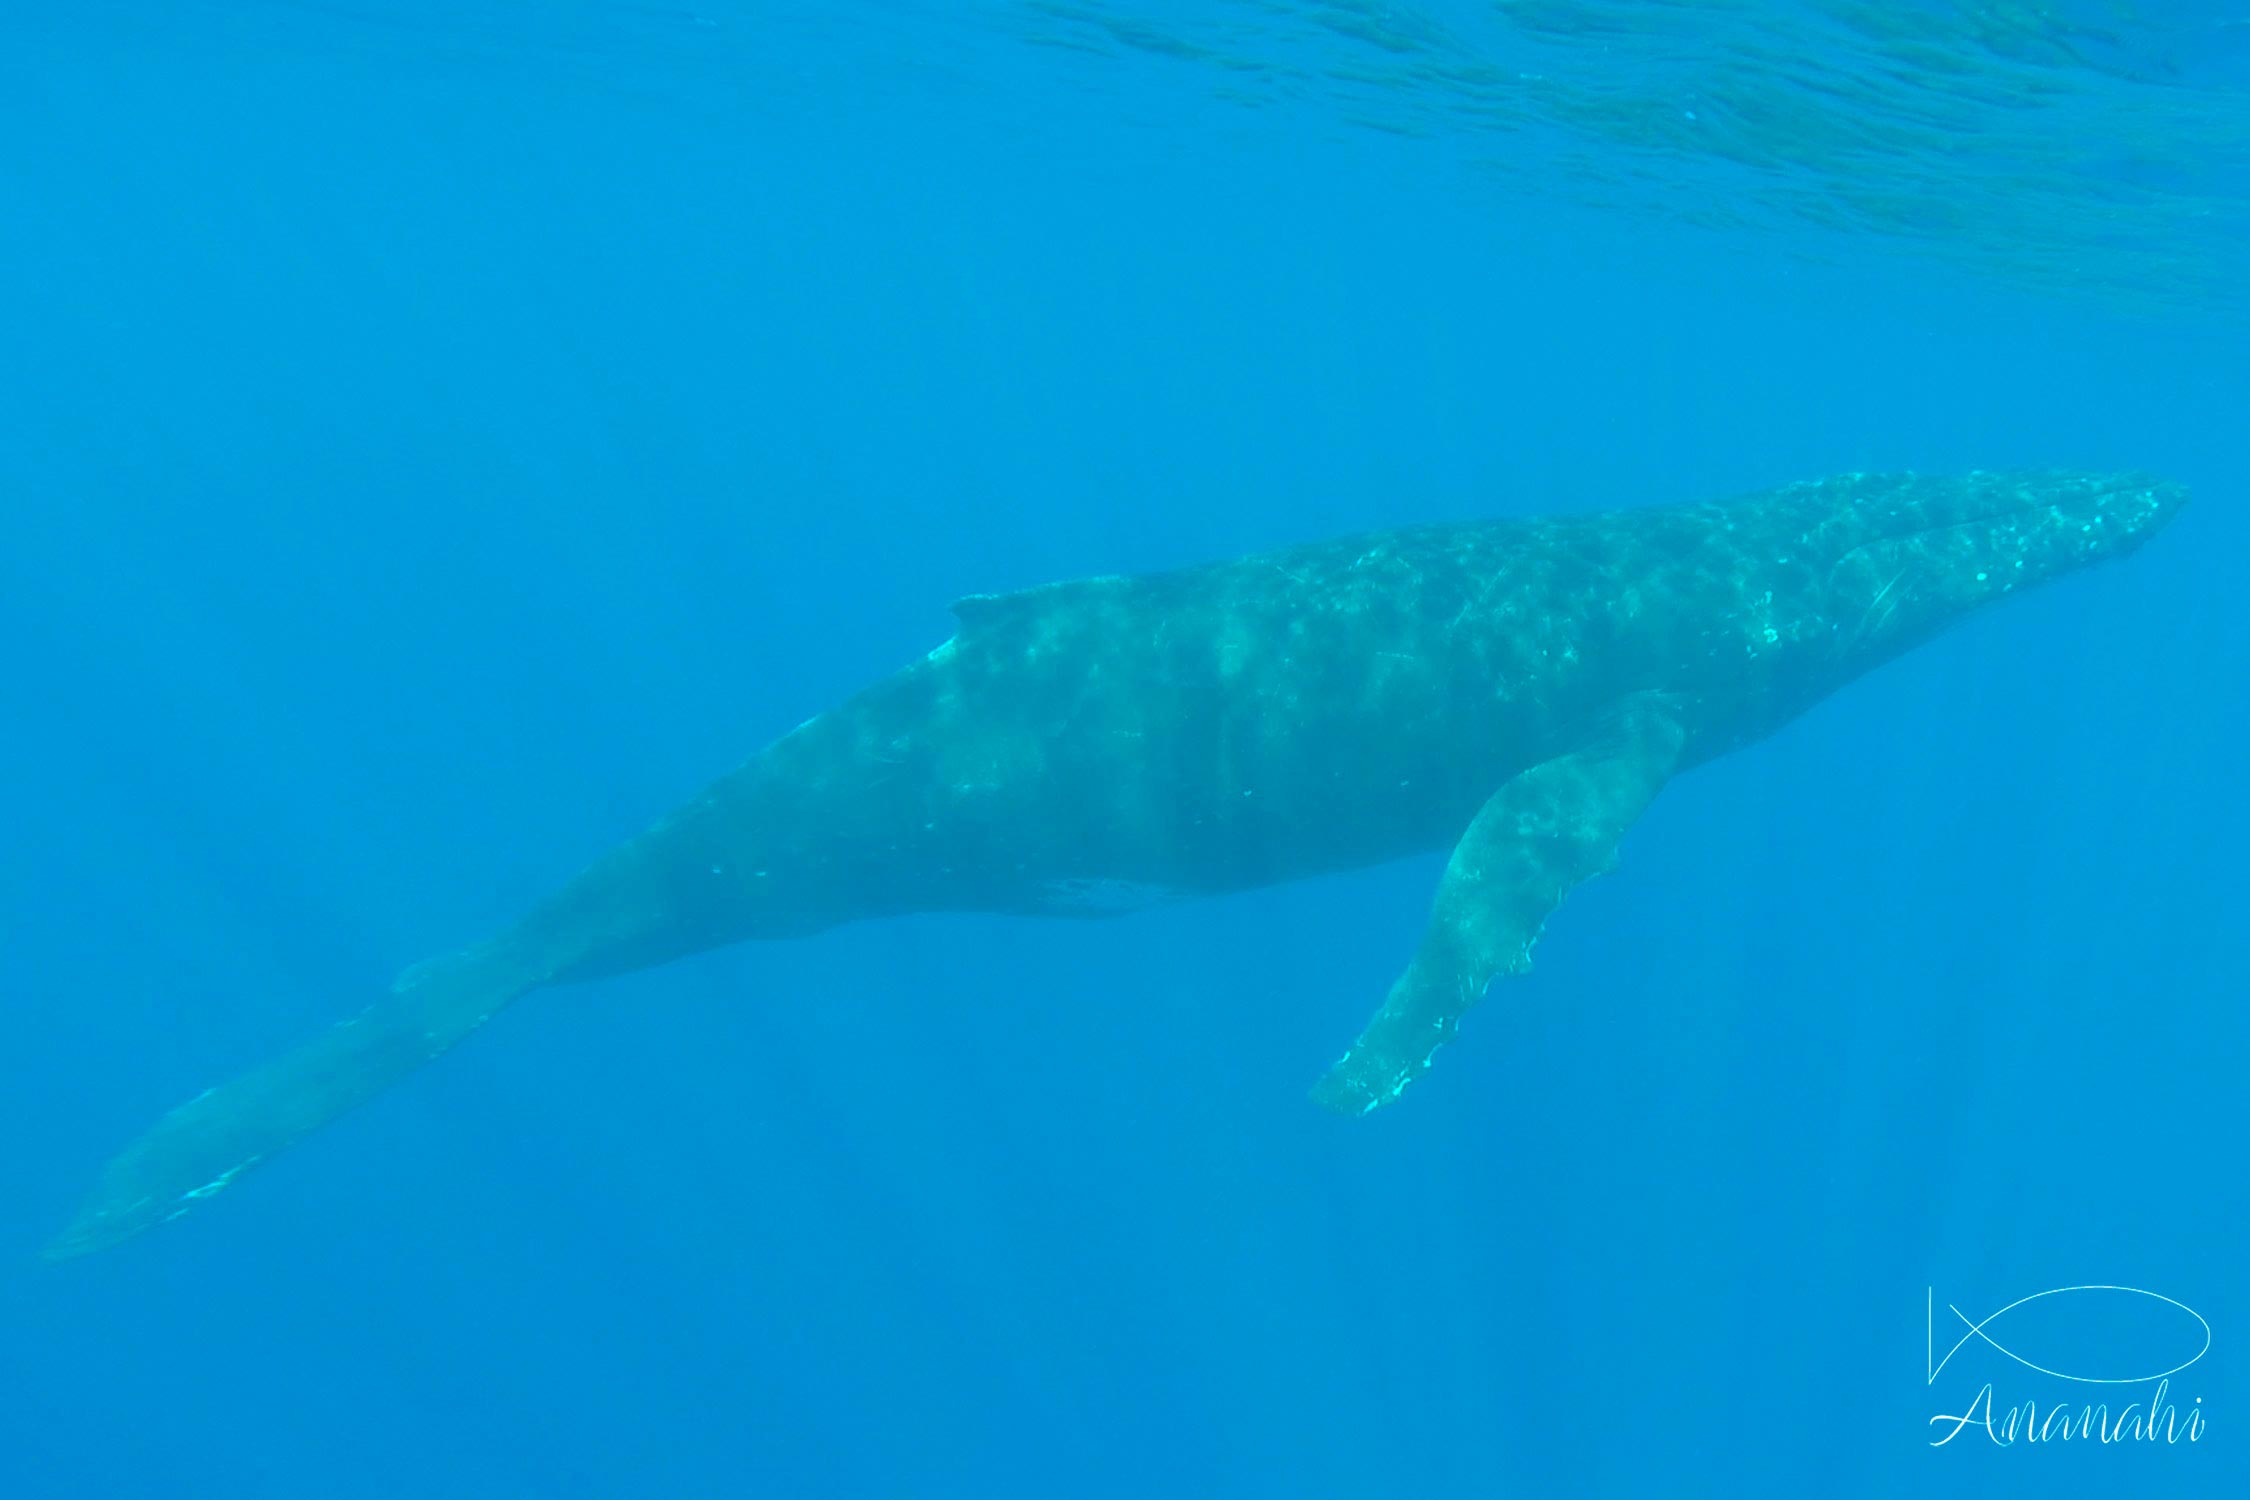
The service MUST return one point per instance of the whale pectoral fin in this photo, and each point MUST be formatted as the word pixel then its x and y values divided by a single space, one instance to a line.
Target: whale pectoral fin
pixel 1547 831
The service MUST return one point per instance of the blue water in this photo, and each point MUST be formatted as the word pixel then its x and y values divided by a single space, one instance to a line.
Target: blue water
pixel 438 439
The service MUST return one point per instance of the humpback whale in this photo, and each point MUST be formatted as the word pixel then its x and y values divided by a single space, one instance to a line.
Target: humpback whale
pixel 1517 690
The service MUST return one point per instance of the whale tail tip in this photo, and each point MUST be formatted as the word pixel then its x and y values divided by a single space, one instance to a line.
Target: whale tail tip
pixel 201 1148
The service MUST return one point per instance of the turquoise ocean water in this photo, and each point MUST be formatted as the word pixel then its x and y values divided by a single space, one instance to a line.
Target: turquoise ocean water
pixel 438 439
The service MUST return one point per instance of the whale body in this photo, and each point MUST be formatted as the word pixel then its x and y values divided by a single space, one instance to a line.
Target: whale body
pixel 1517 691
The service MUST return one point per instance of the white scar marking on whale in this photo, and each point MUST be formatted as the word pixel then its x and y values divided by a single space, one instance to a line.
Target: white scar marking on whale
pixel 219 1182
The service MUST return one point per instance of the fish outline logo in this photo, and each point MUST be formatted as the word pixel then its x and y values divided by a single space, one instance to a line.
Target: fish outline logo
pixel 1976 1329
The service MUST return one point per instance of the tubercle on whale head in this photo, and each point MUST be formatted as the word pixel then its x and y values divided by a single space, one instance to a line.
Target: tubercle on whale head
pixel 1930 551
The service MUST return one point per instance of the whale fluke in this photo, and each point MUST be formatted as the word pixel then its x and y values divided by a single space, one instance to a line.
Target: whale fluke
pixel 200 1148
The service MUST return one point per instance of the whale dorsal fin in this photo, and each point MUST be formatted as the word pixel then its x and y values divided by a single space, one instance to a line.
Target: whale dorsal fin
pixel 976 611
pixel 982 609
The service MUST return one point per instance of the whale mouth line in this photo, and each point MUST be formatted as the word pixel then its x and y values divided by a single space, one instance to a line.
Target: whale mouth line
pixel 1906 536
pixel 1916 529
pixel 1924 529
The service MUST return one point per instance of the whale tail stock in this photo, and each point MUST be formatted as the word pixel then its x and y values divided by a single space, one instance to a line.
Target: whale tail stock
pixel 681 887
pixel 205 1144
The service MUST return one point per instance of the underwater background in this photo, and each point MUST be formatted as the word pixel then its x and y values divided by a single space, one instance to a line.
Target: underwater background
pixel 438 439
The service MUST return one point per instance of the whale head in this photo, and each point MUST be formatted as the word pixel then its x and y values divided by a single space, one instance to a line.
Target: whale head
pixel 1915 554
